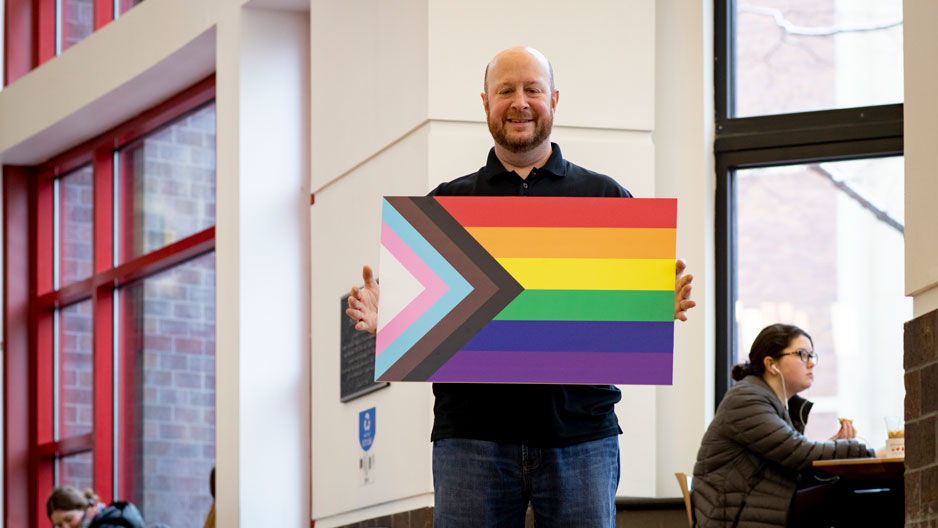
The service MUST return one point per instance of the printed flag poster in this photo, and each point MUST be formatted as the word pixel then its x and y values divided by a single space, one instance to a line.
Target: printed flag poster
pixel 526 290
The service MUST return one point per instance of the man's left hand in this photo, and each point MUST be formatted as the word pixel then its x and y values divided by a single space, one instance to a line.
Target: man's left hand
pixel 682 288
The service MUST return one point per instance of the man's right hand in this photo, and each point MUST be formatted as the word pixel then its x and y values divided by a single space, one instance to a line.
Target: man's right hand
pixel 363 303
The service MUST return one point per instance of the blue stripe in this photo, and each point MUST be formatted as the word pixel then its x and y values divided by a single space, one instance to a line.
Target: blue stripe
pixel 575 336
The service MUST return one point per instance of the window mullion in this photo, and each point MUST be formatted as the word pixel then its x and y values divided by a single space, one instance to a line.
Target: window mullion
pixel 103 305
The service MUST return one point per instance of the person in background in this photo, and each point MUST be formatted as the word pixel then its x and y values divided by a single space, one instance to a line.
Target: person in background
pixel 754 456
pixel 69 508
pixel 210 518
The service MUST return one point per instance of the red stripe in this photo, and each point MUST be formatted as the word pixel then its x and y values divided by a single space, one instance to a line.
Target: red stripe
pixel 513 211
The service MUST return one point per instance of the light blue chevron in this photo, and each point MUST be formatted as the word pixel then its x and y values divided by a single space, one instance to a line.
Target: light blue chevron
pixel 459 288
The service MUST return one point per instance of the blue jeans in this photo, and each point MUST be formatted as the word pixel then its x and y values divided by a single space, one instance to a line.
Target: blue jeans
pixel 486 484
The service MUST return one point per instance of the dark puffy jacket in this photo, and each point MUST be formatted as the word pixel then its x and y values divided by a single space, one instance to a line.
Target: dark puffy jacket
pixel 753 450
pixel 118 514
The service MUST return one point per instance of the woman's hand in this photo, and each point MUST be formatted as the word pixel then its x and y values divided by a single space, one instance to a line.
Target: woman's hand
pixel 846 431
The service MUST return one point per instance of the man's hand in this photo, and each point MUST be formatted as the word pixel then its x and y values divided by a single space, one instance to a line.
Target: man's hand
pixel 363 303
pixel 682 288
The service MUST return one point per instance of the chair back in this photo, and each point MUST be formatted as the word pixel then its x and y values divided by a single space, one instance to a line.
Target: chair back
pixel 685 491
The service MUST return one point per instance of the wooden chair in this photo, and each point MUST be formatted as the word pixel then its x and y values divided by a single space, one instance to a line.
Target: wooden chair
pixel 682 482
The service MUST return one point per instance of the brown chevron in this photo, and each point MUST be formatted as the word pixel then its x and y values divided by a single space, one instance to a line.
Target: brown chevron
pixel 493 289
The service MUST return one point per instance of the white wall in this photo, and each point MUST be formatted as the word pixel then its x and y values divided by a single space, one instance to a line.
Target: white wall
pixel 684 159
pixel 921 157
pixel 263 269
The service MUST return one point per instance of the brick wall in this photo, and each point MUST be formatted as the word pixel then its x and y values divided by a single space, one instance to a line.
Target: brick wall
pixel 76 203
pixel 921 412
pixel 174 430
pixel 173 183
pixel 76 394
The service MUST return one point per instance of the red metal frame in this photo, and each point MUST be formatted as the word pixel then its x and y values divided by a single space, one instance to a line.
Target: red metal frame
pixel 45 30
pixel 18 433
pixel 102 303
pixel 43 339
pixel 19 48
pixel 103 13
pixel 31 301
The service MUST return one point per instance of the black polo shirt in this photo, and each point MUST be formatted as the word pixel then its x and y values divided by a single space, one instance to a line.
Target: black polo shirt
pixel 536 415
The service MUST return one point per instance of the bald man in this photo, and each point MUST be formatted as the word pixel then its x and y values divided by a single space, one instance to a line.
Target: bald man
pixel 498 448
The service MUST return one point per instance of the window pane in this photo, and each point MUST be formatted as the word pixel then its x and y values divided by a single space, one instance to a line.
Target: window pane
pixel 76 370
pixel 76 214
pixel 168 184
pixel 77 471
pixel 169 348
pixel 802 55
pixel 124 5
pixel 821 247
pixel 77 19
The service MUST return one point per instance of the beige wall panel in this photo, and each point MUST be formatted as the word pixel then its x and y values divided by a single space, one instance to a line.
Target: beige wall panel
pixel 602 52
pixel 369 80
pixel 684 169
pixel 637 443
pixel 345 223
pixel 921 157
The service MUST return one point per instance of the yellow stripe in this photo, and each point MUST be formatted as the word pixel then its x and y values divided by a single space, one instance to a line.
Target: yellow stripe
pixel 591 274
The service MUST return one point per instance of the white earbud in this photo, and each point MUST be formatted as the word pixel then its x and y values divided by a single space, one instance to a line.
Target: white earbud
pixel 776 369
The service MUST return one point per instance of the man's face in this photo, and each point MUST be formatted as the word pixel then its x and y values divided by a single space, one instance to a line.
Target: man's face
pixel 519 104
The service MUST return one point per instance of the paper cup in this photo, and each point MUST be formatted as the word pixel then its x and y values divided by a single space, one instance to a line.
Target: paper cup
pixel 895 446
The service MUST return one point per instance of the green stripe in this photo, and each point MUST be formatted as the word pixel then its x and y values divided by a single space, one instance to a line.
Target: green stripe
pixel 590 305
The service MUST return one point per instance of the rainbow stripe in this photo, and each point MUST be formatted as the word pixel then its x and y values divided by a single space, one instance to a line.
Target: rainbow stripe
pixel 587 289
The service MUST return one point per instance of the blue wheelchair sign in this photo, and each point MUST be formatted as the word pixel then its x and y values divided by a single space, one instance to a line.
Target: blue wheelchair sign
pixel 366 428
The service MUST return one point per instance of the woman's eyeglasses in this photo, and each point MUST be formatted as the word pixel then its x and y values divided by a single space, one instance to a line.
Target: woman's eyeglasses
pixel 803 354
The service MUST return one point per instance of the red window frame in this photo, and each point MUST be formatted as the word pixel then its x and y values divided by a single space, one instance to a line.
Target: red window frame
pixel 30 448
pixel 30 33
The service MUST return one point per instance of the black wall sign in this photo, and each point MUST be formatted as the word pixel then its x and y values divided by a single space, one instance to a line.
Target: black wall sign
pixel 357 363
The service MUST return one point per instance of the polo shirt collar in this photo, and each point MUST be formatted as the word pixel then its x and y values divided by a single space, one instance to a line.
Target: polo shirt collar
pixel 555 164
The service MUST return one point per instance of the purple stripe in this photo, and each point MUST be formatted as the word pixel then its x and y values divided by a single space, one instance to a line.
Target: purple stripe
pixel 478 366
pixel 573 336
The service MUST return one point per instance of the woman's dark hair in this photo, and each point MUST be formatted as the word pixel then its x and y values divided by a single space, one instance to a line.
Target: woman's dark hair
pixel 769 343
pixel 69 498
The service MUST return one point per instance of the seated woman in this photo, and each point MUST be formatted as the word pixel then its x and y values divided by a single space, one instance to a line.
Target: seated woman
pixel 754 451
pixel 69 508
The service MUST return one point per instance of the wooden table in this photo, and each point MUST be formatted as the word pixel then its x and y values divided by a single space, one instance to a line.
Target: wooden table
pixel 878 469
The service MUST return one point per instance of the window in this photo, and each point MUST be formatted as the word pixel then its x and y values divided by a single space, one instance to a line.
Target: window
pixel 810 195
pixel 75 22
pixel 37 31
pixel 796 56
pixel 124 332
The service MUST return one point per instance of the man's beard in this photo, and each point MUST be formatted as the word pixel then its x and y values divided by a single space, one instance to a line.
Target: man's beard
pixel 542 129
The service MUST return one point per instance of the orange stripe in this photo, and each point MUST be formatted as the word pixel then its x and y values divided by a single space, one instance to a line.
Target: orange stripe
pixel 576 242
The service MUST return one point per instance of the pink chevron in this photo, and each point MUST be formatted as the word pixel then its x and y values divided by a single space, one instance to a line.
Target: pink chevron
pixel 434 288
